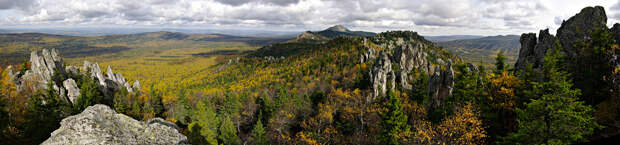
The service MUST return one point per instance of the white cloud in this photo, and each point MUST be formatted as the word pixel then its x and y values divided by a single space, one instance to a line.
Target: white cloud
pixel 430 17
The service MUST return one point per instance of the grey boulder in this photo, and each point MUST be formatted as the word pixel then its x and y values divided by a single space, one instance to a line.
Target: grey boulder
pixel 99 125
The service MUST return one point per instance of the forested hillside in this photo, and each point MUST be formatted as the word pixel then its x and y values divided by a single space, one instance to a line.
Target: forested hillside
pixel 393 88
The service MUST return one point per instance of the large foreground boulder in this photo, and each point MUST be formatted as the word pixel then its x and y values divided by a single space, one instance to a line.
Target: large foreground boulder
pixel 99 125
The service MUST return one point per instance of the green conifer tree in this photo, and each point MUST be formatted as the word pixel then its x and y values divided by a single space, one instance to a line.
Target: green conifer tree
pixel 258 134
pixel 228 132
pixel 205 120
pixel 500 62
pixel 394 121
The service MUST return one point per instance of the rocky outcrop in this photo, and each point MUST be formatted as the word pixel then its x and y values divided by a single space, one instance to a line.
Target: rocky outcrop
pixel 136 85
pixel 399 57
pixel 118 78
pixel 369 53
pixel 99 125
pixel 534 51
pixel 73 92
pixel 45 64
pixel 615 33
pixel 573 30
pixel 579 27
pixel 410 56
pixel 473 68
pixel 382 75
pixel 441 84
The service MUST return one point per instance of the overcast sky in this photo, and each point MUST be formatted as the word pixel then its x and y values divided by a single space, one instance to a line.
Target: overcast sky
pixel 429 17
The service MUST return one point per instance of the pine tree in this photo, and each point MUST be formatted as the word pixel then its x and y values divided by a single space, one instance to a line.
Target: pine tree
pixel 228 132
pixel 258 134
pixel 393 120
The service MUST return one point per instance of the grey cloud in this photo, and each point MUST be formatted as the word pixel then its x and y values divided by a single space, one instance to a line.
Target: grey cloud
pixel 616 7
pixel 298 14
pixel 93 13
pixel 20 4
pixel 519 23
pixel 241 2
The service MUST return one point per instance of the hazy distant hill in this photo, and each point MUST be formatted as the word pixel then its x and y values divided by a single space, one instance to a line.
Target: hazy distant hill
pixel 485 49
pixel 451 37
pixel 15 48
pixel 103 31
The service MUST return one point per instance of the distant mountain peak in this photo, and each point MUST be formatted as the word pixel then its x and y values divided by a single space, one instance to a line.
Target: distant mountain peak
pixel 338 28
pixel 331 32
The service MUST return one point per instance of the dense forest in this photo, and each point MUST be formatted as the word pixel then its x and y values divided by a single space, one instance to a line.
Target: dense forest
pixel 391 88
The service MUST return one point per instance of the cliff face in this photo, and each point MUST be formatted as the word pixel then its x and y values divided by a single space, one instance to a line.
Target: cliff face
pixel 100 125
